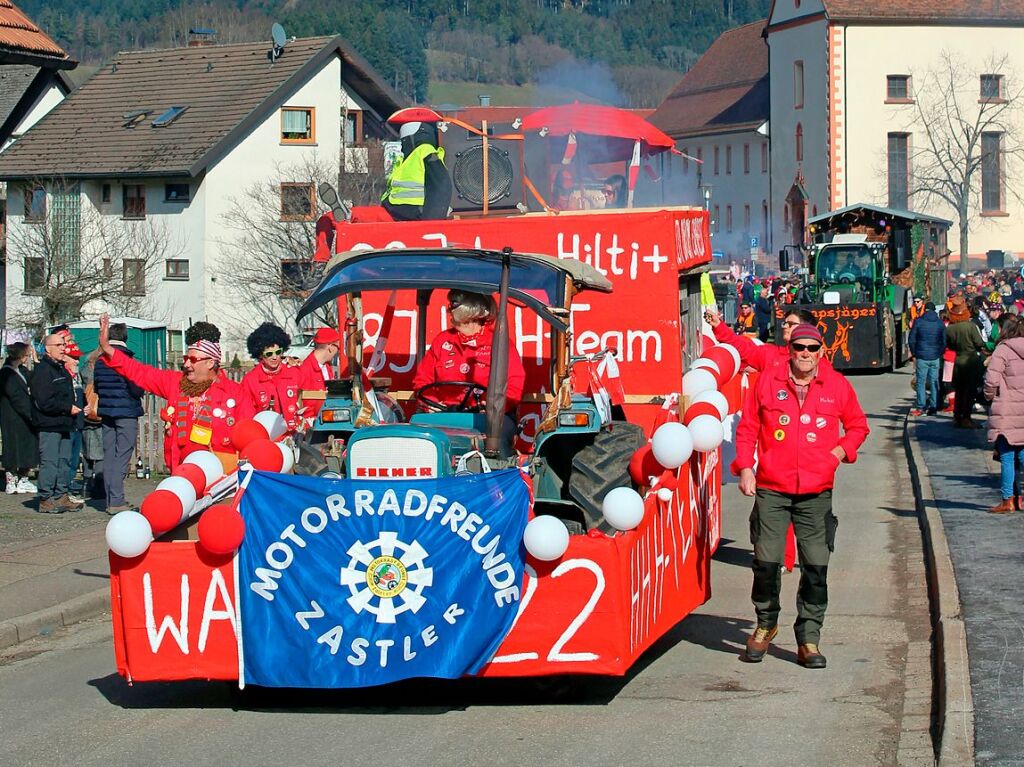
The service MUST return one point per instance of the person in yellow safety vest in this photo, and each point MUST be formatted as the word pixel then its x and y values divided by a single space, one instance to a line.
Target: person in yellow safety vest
pixel 419 187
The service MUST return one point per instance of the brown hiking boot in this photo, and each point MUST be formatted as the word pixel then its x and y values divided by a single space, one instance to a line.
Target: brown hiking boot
pixel 1005 507
pixel 808 656
pixel 66 504
pixel 49 506
pixel 757 644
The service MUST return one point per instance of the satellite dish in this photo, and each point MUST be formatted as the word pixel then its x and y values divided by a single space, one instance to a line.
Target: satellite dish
pixel 280 41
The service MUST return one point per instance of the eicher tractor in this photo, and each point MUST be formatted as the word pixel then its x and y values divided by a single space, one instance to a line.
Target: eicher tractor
pixel 580 450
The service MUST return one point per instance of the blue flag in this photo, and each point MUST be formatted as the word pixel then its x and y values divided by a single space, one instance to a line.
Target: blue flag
pixel 346 583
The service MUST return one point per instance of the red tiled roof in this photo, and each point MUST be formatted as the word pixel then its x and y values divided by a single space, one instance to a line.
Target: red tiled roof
pixel 19 35
pixel 727 89
pixel 974 11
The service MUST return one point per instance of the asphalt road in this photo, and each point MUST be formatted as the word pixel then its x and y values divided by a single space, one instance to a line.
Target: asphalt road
pixel 690 701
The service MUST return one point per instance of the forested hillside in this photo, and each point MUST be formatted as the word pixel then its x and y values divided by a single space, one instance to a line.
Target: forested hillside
pixel 624 51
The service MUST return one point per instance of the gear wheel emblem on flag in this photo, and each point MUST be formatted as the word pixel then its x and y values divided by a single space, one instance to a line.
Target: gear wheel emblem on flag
pixel 383 583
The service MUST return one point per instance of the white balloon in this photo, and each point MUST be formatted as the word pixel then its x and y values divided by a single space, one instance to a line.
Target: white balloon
pixel 708 433
pixel 289 457
pixel 546 538
pixel 664 494
pixel 716 398
pixel 672 445
pixel 704 363
pixel 697 381
pixel 182 488
pixel 734 352
pixel 623 508
pixel 272 422
pixel 209 463
pixel 129 534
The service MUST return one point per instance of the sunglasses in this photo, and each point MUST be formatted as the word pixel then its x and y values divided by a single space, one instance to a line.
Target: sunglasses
pixel 805 347
pixel 272 353
pixel 196 360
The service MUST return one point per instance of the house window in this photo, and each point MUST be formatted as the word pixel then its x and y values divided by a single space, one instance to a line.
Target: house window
pixel 35 274
pixel 134 198
pixel 35 205
pixel 798 85
pixel 799 142
pixel 686 160
pixel 728 160
pixel 716 161
pixel 764 223
pixel 992 172
pixel 992 88
pixel 746 158
pixel 176 192
pixel 298 125
pixel 899 170
pixel 296 276
pixel 764 157
pixel 785 215
pixel 700 161
pixel 897 88
pixel 105 193
pixel 746 218
pixel 133 273
pixel 177 269
pixel 353 127
pixel 65 215
pixel 297 202
pixel 728 218
pixel 716 221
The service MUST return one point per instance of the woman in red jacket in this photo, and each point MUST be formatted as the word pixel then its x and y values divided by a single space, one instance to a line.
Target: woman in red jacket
pixel 271 385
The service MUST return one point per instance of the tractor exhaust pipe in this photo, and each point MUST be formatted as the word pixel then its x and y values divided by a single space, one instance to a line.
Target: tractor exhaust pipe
pixel 497 383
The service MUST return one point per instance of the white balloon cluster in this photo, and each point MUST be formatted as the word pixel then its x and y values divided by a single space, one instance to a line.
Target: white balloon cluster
pixel 546 538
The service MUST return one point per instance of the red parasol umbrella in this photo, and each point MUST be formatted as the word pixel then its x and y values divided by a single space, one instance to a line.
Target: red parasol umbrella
pixel 616 129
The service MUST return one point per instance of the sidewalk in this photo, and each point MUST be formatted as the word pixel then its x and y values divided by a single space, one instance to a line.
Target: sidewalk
pixel 987 551
pixel 53 567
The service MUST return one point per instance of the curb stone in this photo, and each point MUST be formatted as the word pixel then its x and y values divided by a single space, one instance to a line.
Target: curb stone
pixel 952 701
pixel 44 621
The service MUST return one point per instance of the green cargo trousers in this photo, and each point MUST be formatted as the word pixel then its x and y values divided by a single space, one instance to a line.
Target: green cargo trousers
pixel 815 527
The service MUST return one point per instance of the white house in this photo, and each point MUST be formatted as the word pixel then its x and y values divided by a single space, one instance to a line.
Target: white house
pixel 135 181
pixel 718 116
pixel 847 80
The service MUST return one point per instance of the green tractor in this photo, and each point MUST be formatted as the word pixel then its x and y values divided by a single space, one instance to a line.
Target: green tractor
pixel 582 448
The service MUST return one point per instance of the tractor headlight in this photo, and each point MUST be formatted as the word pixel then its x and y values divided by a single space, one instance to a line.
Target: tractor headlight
pixel 573 419
pixel 336 416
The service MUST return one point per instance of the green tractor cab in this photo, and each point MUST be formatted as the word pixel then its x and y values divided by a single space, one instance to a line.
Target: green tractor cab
pixel 579 452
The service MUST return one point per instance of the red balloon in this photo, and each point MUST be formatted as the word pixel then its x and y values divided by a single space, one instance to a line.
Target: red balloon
pixel 643 465
pixel 263 455
pixel 163 510
pixel 700 408
pixel 244 432
pixel 221 529
pixel 725 361
pixel 195 475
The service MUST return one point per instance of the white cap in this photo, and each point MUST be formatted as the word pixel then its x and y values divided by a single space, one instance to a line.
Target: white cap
pixel 408 129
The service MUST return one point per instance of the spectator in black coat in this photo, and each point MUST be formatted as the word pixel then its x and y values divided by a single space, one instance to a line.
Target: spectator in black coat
pixel 54 397
pixel 17 421
pixel 763 314
pixel 927 343
pixel 120 405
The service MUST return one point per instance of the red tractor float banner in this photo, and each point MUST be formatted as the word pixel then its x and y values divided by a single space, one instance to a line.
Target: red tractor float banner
pixel 609 595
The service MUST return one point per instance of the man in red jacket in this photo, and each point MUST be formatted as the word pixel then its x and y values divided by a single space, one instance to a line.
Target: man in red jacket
pixel 803 420
pixel 201 400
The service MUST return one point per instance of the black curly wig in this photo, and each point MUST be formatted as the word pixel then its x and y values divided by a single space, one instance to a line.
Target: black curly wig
pixel 202 331
pixel 266 335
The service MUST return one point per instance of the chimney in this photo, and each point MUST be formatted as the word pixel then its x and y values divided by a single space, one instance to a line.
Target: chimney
pixel 485 101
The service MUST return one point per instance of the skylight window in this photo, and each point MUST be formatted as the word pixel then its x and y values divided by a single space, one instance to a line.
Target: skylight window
pixel 168 117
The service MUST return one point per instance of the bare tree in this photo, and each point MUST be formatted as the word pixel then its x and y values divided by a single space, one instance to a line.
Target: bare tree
pixel 955 117
pixel 267 252
pixel 70 254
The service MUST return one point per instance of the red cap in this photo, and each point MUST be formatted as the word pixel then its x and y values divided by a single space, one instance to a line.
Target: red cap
pixel 72 350
pixel 326 336
pixel 805 333
pixel 415 115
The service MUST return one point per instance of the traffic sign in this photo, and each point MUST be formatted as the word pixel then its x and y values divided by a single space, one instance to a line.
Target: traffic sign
pixel 753 243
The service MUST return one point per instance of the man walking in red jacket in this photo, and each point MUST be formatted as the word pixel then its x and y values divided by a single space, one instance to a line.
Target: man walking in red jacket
pixel 803 420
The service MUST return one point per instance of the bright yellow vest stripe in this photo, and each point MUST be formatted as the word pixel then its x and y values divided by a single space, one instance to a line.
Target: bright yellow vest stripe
pixel 405 184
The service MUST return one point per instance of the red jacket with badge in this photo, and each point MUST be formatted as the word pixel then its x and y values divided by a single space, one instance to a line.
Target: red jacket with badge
pixel 195 423
pixel 453 357
pixel 794 443
pixel 260 386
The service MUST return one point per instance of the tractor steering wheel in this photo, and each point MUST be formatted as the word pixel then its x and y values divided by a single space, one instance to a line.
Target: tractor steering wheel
pixel 847 278
pixel 472 401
